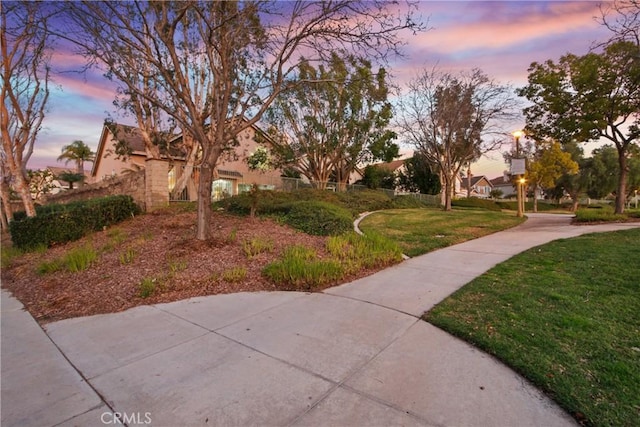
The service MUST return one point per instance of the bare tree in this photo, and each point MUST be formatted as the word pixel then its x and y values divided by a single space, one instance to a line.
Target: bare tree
pixel 25 47
pixel 622 18
pixel 5 192
pixel 219 65
pixel 453 120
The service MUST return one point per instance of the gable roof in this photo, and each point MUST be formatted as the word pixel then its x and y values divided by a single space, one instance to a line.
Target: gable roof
pixel 474 180
pixel 390 166
pixel 501 180
pixel 132 137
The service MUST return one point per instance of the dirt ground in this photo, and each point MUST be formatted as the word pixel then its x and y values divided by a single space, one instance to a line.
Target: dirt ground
pixel 158 248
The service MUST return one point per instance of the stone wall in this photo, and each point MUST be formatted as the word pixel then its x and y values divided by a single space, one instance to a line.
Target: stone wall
pixel 132 184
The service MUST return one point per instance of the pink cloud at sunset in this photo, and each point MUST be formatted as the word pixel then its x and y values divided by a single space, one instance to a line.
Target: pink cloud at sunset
pixel 501 37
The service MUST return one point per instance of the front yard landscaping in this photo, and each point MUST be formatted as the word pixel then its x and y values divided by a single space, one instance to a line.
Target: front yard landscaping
pixel 154 258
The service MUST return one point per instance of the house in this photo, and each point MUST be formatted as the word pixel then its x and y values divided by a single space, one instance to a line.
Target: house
pixel 114 139
pixel 504 184
pixel 232 175
pixel 480 187
pixel 395 166
pixel 59 183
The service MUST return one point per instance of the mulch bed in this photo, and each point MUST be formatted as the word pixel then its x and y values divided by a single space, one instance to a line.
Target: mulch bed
pixel 163 249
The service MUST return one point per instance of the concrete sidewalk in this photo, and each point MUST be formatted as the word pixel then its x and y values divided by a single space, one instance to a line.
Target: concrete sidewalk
pixel 355 355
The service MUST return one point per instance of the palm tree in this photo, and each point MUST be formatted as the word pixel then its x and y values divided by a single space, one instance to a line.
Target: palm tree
pixel 79 152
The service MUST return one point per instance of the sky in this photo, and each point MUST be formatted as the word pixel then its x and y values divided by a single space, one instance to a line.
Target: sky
pixel 500 37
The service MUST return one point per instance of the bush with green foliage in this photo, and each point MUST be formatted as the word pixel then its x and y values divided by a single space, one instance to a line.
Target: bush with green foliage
pixel 599 214
pixel 319 218
pixel 75 260
pixel 300 269
pixel 476 203
pixel 359 201
pixel 368 251
pixel 57 224
pixel 279 202
pixel 543 206
pixel 407 202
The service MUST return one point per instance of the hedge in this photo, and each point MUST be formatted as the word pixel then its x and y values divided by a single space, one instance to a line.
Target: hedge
pixel 64 223
pixel 319 218
pixel 476 203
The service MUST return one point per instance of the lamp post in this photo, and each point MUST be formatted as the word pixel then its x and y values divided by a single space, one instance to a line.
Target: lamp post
pixel 518 170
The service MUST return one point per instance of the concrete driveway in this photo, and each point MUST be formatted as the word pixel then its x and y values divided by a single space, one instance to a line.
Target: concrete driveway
pixel 354 355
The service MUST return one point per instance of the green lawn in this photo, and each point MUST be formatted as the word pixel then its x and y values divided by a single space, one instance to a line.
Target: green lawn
pixel 419 231
pixel 566 315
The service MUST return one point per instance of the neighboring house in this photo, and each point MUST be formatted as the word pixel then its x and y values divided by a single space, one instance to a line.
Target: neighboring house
pixel 232 175
pixel 480 187
pixel 503 183
pixel 62 184
pixel 395 166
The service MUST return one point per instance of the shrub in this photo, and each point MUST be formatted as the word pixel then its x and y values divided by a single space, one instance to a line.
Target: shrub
pixel 268 203
pixel 64 223
pixel 368 251
pixel 147 287
pixel 512 205
pixel 476 203
pixel 299 268
pixel 257 246
pixel 46 267
pixel 234 275
pixel 364 200
pixel 176 266
pixel 319 218
pixel 127 256
pixel 79 259
pixel 280 203
pixel 597 215
pixel 8 254
pixel 407 202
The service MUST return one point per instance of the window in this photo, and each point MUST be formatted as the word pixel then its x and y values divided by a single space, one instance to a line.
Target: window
pixel 221 188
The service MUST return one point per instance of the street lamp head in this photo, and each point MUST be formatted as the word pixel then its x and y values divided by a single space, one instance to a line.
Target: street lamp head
pixel 517 134
pixel 522 180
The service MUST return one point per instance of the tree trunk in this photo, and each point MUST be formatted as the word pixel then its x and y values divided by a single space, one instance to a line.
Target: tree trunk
pixel 185 175
pixel 447 193
pixel 5 196
pixel 574 205
pixel 204 201
pixel 622 183
pixel 80 171
pixel 535 198
pixel 22 187
pixel 203 231
pixel 4 224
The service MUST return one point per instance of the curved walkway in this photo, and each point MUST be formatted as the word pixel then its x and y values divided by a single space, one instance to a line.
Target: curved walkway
pixel 355 355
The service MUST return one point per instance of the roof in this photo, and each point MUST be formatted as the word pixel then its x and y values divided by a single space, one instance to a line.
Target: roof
pixel 228 173
pixel 130 134
pixel 474 180
pixel 501 180
pixel 132 137
pixel 390 166
pixel 57 170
